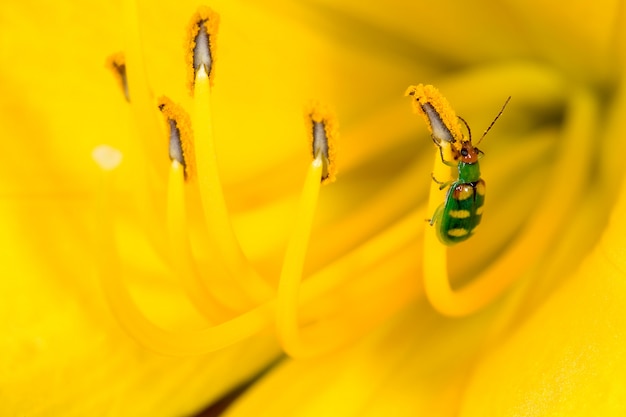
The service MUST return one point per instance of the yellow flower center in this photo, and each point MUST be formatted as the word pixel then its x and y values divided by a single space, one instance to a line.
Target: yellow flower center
pixel 251 304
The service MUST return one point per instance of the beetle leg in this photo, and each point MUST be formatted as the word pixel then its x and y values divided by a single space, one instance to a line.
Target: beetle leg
pixel 442 184
pixel 448 163
pixel 436 215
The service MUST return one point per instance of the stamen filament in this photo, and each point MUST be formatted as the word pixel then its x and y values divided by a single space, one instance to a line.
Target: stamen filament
pixel 357 291
pixel 291 274
pixel 536 237
pixel 146 126
pixel 142 100
pixel 377 251
pixel 181 253
pixel 438 290
pixel 389 254
pixel 212 196
pixel 175 343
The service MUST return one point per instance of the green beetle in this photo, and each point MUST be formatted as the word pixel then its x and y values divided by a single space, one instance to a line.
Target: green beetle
pixel 462 209
pixel 461 212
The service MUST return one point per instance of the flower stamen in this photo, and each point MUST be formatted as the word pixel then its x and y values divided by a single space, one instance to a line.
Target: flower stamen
pixel 210 187
pixel 291 274
pixel 202 34
pixel 117 63
pixel 181 171
pixel 438 114
pixel 323 138
pixel 181 253
pixel 180 136
pixel 320 171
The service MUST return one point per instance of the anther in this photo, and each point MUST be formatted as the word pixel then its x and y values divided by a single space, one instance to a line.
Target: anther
pixel 439 115
pixel 202 49
pixel 323 136
pixel 440 132
pixel 117 63
pixel 180 142
pixel 202 33
pixel 176 149
pixel 320 142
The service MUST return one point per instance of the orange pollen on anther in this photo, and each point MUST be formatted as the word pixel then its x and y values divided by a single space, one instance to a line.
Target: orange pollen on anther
pixel 438 114
pixel 323 135
pixel 180 135
pixel 202 34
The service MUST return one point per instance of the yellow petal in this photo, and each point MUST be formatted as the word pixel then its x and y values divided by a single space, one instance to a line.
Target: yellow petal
pixel 62 352
pixel 407 367
pixel 567 356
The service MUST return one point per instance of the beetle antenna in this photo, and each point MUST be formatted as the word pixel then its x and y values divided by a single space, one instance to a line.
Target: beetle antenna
pixel 469 131
pixel 494 120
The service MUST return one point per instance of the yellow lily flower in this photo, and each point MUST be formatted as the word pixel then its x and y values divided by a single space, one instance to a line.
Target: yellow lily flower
pixel 144 284
pixel 545 268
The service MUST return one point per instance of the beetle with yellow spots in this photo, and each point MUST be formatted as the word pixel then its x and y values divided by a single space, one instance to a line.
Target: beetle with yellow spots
pixel 461 212
pixel 462 209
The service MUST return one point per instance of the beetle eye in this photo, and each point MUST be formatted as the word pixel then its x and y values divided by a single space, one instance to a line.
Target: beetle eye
pixel 464 152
